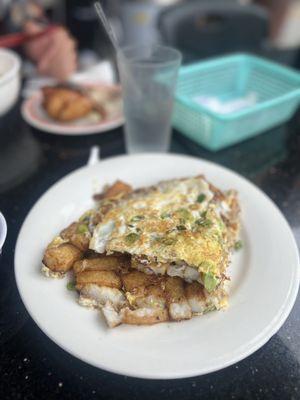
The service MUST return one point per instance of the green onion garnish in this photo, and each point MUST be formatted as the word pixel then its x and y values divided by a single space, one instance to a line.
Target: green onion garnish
pixel 185 215
pixel 204 214
pixel 238 245
pixel 137 218
pixel 165 215
pixel 201 198
pixel 71 286
pixel 204 223
pixel 168 241
pixel 82 228
pixel 131 238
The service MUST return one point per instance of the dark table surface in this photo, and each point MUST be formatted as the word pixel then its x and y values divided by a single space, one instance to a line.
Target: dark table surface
pixel 33 367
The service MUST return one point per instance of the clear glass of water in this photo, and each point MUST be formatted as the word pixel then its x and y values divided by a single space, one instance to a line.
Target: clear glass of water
pixel 148 77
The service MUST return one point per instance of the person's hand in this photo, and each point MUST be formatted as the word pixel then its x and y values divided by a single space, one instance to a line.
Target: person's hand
pixel 54 54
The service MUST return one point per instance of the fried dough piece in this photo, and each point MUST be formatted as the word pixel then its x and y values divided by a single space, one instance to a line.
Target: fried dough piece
pixel 179 308
pixel 102 263
pixel 65 104
pixel 78 234
pixel 150 296
pixel 61 258
pixel 55 98
pixel 118 188
pixel 148 267
pixel 100 295
pixel 146 298
pixel 109 300
pixel 115 190
pixel 76 109
pixel 196 298
pixel 149 306
pixel 112 316
pixel 144 316
pixel 65 94
pixel 101 278
pixel 137 279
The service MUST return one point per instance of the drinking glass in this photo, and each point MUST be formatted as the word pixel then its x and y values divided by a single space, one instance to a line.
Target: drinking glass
pixel 148 77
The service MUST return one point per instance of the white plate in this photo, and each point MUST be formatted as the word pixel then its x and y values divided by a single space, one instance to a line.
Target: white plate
pixel 265 279
pixel 34 115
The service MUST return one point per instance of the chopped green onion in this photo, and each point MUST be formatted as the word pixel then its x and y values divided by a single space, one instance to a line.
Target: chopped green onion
pixel 204 223
pixel 204 214
pixel 168 241
pixel 201 198
pixel 209 309
pixel 131 238
pixel 71 286
pixel 137 218
pixel 165 215
pixel 85 218
pixel 82 228
pixel 238 245
pixel 210 282
pixel 207 223
pixel 185 214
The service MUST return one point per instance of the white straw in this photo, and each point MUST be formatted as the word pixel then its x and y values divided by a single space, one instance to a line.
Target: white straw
pixel 103 19
pixel 101 14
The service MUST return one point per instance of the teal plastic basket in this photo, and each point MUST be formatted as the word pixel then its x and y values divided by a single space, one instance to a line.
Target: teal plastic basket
pixel 276 90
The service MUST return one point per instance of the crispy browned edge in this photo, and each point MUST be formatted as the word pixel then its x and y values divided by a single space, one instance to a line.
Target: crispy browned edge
pixel 62 257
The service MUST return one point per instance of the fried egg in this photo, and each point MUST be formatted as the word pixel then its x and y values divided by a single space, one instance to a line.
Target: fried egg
pixel 175 225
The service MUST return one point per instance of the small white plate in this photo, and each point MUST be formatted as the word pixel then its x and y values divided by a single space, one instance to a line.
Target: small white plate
pixel 34 114
pixel 265 278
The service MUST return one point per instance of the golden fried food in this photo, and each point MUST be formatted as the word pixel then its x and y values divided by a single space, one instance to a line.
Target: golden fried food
pixel 195 294
pixel 179 307
pixel 101 278
pixel 102 263
pixel 144 316
pixel 137 279
pixel 78 235
pixel 75 109
pixel 117 189
pixel 61 258
pixel 92 295
pixel 65 104
pixel 153 254
pixel 143 300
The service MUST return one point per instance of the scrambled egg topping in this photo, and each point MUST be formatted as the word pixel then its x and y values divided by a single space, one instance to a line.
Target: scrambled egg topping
pixel 173 222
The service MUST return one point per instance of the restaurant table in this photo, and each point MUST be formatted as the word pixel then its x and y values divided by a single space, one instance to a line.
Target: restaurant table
pixel 34 367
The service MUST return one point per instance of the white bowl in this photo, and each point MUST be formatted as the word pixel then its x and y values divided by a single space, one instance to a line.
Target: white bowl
pixel 3 231
pixel 10 79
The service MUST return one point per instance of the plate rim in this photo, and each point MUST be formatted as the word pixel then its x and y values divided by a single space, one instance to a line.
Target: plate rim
pixel 60 130
pixel 258 341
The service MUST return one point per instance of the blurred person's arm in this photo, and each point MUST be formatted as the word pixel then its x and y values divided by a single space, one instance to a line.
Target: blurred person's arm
pixel 54 54
pixel 278 11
